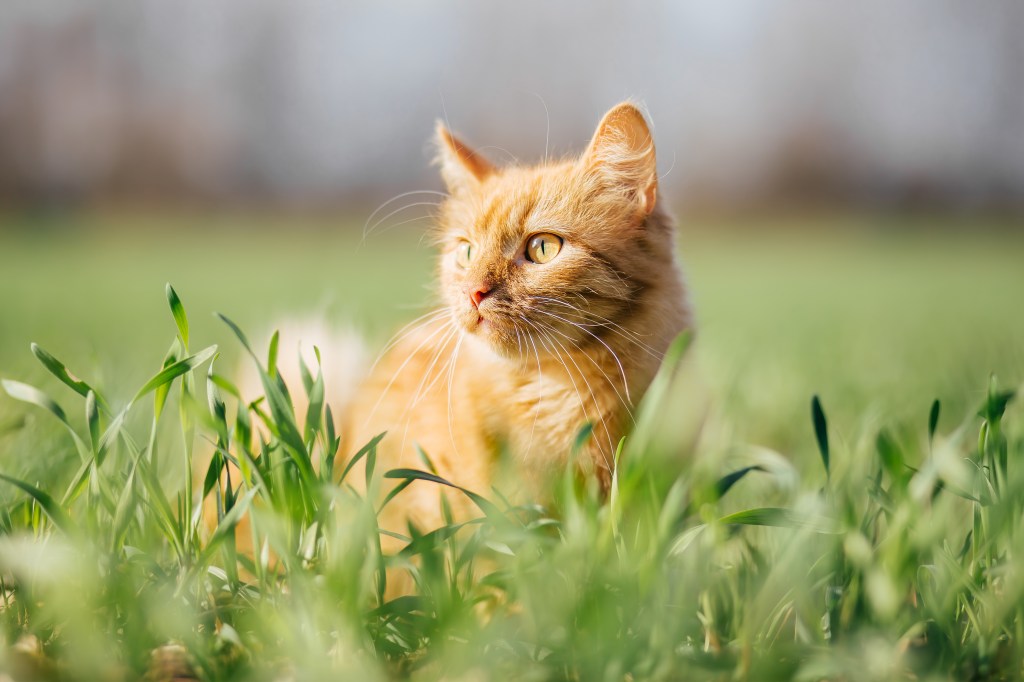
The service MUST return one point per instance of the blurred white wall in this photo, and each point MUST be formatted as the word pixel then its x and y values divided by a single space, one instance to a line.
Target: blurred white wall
pixel 330 101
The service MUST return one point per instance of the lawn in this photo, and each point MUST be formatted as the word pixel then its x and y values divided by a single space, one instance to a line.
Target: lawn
pixel 876 531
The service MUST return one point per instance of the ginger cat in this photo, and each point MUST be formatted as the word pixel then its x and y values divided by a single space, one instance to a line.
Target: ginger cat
pixel 560 293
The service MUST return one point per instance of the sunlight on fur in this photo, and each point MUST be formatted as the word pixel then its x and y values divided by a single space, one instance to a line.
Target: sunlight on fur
pixel 559 294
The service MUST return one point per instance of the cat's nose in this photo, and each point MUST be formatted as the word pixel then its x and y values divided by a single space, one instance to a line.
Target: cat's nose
pixel 478 293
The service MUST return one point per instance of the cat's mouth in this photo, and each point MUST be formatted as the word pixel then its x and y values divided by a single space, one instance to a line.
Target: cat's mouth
pixel 482 324
pixel 485 324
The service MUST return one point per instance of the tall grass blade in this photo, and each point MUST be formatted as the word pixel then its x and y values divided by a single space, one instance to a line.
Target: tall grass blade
pixel 272 353
pixel 778 517
pixel 178 311
pixel 933 419
pixel 363 452
pixel 238 332
pixel 53 510
pixel 654 400
pixel 175 370
pixel 486 506
pixel 725 483
pixel 92 420
pixel 33 396
pixel 60 370
pixel 821 433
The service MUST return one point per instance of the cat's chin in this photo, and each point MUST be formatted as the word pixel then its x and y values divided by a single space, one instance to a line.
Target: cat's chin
pixel 491 334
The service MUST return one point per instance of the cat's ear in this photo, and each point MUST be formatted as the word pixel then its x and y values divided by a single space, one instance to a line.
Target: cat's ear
pixel 461 167
pixel 622 154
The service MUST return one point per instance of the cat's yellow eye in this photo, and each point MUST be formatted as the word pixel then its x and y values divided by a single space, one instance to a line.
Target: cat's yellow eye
pixel 541 248
pixel 463 253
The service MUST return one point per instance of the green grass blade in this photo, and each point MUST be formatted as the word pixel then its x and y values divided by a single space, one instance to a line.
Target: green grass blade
pixel 315 409
pixel 49 506
pixel 363 452
pixel 160 393
pixel 78 483
pixel 821 433
pixel 226 527
pixel 33 396
pixel 777 517
pixel 435 538
pixel 275 340
pixel 238 332
pixel 654 400
pixel 485 505
pixel 933 419
pixel 92 419
pixel 892 458
pixel 172 372
pixel 178 311
pixel 60 370
pixel 725 483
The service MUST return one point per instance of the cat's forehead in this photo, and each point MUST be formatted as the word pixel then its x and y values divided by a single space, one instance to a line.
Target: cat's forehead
pixel 518 201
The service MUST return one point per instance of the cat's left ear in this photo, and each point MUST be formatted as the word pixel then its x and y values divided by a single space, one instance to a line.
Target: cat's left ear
pixel 622 154
pixel 461 167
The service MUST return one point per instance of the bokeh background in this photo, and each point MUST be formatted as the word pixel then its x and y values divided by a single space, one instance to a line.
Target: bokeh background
pixel 848 178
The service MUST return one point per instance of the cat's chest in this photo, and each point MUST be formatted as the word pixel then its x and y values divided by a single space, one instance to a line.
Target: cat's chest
pixel 542 416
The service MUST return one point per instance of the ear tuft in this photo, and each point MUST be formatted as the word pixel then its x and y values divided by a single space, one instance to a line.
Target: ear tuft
pixel 622 153
pixel 461 167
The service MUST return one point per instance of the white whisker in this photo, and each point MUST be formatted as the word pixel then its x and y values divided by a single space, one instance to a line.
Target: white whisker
pixel 394 377
pixel 583 378
pixel 628 335
pixel 540 393
pixel 625 401
pixel 451 381
pixel 544 334
pixel 367 232
pixel 392 200
pixel 407 413
pixel 625 382
pixel 421 321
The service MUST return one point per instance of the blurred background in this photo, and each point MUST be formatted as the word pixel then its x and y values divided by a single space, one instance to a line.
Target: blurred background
pixel 849 178
pixel 320 103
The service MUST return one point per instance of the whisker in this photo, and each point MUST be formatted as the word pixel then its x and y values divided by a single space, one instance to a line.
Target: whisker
pixel 625 401
pixel 540 393
pixel 627 334
pixel 407 222
pixel 407 413
pixel 558 356
pixel 398 197
pixel 625 382
pixel 451 381
pixel 547 122
pixel 394 377
pixel 401 334
pixel 515 159
pixel 443 369
pixel 367 232
pixel 583 378
pixel 430 367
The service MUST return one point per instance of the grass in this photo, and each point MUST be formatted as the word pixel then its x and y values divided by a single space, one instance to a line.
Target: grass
pixel 872 534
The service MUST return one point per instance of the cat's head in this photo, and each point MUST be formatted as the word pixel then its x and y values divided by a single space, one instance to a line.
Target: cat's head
pixel 542 259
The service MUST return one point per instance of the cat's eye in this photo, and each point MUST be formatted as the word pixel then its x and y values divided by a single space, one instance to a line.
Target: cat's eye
pixel 541 248
pixel 463 253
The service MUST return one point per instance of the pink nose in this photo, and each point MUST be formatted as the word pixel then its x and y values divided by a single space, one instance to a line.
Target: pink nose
pixel 478 293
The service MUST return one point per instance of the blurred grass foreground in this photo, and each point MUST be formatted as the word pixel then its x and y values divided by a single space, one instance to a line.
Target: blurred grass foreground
pixel 872 533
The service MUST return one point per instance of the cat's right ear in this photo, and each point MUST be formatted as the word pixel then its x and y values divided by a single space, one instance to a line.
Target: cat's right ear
pixel 461 167
pixel 622 155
